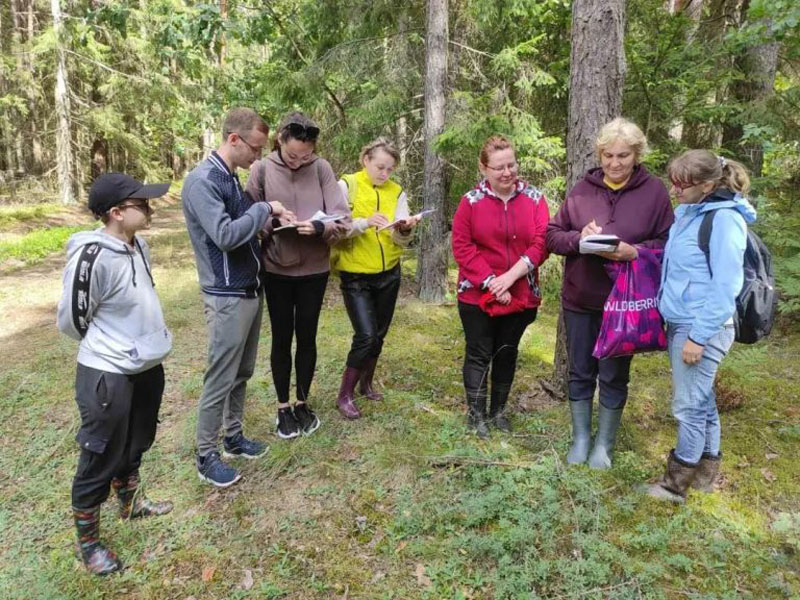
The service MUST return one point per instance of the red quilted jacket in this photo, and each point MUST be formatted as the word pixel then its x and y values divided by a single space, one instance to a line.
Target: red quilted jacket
pixel 489 236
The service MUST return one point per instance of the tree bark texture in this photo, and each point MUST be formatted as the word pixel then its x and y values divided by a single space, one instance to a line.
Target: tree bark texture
pixel 63 134
pixel 756 85
pixel 433 252
pixel 597 76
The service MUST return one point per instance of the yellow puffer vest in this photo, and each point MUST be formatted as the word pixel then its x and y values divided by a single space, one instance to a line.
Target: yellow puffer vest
pixel 373 251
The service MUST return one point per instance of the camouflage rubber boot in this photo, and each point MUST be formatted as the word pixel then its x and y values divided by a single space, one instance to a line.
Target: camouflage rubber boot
pixel 96 557
pixel 133 504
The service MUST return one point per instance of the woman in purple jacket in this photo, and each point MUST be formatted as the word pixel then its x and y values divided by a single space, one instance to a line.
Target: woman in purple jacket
pixel 620 197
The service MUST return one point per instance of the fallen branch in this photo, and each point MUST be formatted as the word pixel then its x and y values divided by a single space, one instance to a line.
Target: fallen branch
pixel 448 461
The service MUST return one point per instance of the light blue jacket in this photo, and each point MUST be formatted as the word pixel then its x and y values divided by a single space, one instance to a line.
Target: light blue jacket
pixel 689 294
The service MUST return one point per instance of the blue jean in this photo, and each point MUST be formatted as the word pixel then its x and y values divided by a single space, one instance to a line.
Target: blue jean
pixel 694 404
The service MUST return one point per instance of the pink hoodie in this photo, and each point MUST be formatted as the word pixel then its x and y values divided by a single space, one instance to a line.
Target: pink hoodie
pixel 303 191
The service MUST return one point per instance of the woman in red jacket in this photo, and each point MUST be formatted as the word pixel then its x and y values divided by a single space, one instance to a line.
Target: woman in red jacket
pixel 499 244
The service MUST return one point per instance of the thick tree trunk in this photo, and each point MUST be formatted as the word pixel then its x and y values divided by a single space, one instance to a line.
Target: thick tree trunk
pixel 757 67
pixel 693 9
pixel 433 249
pixel 63 134
pixel 597 75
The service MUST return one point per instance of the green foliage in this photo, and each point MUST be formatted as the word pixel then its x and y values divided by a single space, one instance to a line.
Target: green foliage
pixel 37 244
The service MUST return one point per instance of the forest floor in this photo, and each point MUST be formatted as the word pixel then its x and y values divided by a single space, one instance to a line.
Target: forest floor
pixel 402 503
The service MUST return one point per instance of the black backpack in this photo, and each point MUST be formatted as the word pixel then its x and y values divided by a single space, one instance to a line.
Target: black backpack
pixel 757 302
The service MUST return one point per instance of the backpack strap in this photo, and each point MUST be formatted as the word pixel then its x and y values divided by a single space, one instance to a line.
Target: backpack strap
pixel 81 285
pixel 704 237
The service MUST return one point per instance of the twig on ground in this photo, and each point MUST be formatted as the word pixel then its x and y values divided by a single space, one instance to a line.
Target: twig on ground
pixel 446 461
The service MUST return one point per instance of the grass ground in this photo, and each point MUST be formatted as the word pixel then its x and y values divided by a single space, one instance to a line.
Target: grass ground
pixel 401 504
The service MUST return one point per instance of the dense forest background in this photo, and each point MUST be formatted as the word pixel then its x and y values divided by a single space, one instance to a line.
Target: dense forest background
pixel 140 86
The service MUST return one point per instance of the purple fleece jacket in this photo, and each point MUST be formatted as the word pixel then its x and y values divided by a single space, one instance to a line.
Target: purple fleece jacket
pixel 639 213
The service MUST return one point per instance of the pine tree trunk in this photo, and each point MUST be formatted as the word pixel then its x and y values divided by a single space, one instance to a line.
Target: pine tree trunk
pixel 433 248
pixel 63 135
pixel 597 76
pixel 756 86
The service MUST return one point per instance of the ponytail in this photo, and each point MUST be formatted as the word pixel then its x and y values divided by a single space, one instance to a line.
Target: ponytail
pixel 734 176
pixel 701 166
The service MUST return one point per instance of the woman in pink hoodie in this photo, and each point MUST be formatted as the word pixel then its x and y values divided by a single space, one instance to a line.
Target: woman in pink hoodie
pixel 498 243
pixel 297 259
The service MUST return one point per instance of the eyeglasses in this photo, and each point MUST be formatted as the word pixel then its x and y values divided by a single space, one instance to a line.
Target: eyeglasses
pixel 257 150
pixel 511 167
pixel 302 133
pixel 144 207
pixel 679 185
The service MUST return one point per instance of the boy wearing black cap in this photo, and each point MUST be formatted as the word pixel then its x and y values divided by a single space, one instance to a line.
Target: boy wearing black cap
pixel 109 303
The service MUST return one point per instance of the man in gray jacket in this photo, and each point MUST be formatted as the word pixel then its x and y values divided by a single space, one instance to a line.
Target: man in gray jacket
pixel 223 224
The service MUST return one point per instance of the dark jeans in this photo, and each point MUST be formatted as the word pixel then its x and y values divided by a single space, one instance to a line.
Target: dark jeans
pixel 294 304
pixel 585 370
pixel 370 300
pixel 119 414
pixel 491 341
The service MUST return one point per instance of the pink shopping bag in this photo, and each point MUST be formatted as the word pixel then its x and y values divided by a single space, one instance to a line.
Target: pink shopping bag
pixel 631 321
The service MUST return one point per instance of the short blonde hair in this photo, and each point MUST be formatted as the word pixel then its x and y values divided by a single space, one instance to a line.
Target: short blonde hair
pixel 621 130
pixel 381 143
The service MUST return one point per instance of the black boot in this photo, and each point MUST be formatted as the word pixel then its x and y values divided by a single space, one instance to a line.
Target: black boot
pixel 133 504
pixel 606 438
pixel 707 471
pixel 675 483
pixel 476 413
pixel 497 406
pixel 581 412
pixel 96 557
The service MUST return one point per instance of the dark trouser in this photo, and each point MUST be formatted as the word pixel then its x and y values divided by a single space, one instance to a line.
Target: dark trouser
pixel 370 300
pixel 491 341
pixel 119 414
pixel 585 370
pixel 294 304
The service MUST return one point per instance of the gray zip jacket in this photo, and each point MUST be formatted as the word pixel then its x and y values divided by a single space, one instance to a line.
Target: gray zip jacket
pixel 126 330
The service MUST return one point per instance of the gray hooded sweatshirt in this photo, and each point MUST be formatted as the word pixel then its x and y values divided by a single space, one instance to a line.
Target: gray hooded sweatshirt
pixel 126 330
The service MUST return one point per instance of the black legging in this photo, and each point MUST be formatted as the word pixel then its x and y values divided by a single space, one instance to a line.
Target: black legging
pixel 370 300
pixel 294 304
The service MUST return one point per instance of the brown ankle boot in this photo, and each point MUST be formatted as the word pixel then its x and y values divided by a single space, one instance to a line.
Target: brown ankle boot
pixel 133 504
pixel 675 483
pixel 345 402
pixel 707 471
pixel 365 383
pixel 96 557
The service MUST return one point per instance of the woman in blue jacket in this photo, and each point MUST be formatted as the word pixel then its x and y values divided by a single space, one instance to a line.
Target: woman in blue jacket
pixel 698 300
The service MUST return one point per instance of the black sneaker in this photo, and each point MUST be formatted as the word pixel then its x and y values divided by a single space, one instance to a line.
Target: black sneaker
pixel 308 421
pixel 210 468
pixel 239 446
pixel 286 424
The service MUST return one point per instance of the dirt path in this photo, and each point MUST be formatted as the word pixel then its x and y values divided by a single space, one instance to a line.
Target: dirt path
pixel 29 296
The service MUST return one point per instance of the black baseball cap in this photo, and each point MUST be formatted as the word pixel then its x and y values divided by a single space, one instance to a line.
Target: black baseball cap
pixel 111 189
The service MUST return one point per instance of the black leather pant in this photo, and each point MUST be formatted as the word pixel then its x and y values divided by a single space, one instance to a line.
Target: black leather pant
pixel 370 301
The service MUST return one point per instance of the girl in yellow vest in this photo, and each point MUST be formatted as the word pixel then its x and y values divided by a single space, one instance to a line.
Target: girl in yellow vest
pixel 369 265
